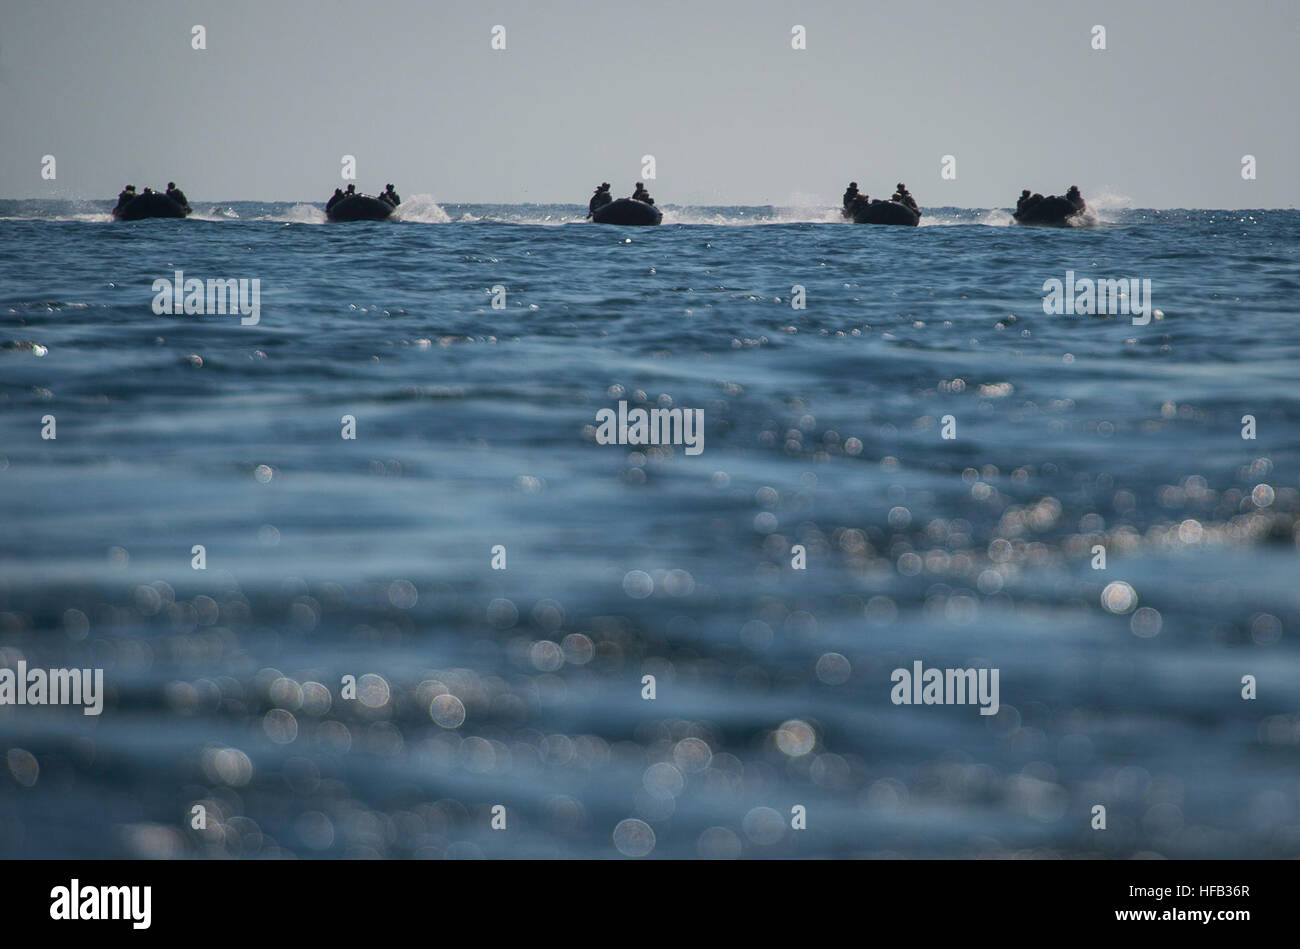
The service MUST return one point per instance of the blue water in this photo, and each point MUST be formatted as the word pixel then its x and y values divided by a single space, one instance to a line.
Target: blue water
pixel 823 428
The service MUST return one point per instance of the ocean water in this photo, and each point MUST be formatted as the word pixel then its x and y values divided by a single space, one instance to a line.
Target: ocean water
pixel 824 429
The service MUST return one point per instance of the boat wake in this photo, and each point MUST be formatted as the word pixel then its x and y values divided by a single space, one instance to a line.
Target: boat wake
pixel 1104 207
pixel 533 215
pixel 216 213
pixel 302 214
pixel 82 217
pixel 996 217
pixel 421 209
pixel 751 217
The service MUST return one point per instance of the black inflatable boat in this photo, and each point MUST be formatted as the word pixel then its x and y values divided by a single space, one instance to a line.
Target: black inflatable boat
pixel 886 212
pixel 1051 211
pixel 153 204
pixel 628 212
pixel 360 207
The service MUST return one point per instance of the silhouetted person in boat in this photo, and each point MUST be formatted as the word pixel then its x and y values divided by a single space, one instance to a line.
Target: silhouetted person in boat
pixel 599 198
pixel 177 195
pixel 641 194
pixel 1075 197
pixel 390 195
pixel 904 197
pixel 351 192
pixel 335 198
pixel 850 194
pixel 1027 201
pixel 126 196
pixel 148 191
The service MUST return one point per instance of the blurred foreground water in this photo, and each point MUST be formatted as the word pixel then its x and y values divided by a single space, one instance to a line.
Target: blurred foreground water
pixel 477 687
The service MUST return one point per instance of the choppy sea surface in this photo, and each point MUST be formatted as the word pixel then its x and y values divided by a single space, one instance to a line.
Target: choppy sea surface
pixel 372 557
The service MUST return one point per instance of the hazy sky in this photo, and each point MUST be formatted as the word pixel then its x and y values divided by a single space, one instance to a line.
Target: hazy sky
pixel 711 88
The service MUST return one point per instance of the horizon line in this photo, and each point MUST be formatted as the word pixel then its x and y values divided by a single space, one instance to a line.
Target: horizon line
pixel 664 204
